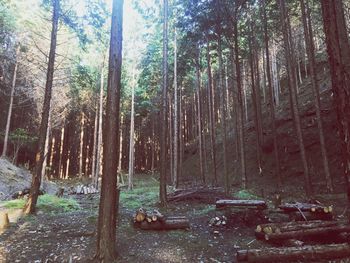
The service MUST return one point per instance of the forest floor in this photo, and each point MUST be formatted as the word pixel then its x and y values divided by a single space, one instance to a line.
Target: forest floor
pixel 71 237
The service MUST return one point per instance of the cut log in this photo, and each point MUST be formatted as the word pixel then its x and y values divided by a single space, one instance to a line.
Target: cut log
pixel 305 253
pixel 170 223
pixel 330 231
pixel 305 207
pixel 140 215
pixel 298 216
pixel 241 203
pixel 262 230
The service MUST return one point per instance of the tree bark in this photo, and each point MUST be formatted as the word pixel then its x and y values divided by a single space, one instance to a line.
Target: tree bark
pixel 81 146
pixel 9 113
pixel 338 49
pixel 30 206
pixel 163 111
pixel 109 201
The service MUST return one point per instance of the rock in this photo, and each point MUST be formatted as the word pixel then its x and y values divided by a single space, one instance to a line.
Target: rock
pixel 14 179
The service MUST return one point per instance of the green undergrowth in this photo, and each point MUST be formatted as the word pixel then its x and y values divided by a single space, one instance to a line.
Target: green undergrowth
pixel 46 203
pixel 245 194
pixel 144 194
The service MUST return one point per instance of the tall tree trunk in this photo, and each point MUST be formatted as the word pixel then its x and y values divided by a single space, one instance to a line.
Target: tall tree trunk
pixel 163 111
pixel 120 146
pixel 256 99
pixel 94 149
pixel 199 116
pixel 132 135
pixel 272 101
pixel 289 53
pixel 310 47
pixel 176 112
pixel 240 109
pixel 171 148
pixel 81 148
pixel 181 137
pixel 109 201
pixel 29 208
pixel 338 49
pixel 211 116
pixel 47 138
pixel 9 113
pixel 99 131
pixel 223 117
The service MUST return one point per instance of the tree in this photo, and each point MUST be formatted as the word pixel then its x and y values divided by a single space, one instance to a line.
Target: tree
pixel 108 209
pixel 132 134
pixel 338 49
pixel 289 54
pixel 310 48
pixel 9 113
pixel 36 180
pixel 163 110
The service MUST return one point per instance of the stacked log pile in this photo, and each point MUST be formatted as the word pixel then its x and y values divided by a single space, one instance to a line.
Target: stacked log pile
pixel 218 221
pixel 301 230
pixel 306 211
pixel 156 221
pixel 85 189
pixel 308 225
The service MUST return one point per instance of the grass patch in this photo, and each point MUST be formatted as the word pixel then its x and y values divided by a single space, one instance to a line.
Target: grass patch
pixel 46 203
pixel 14 204
pixel 145 194
pixel 245 194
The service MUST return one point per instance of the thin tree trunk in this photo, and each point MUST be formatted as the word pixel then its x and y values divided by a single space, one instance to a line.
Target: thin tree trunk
pixel 100 132
pixel 181 142
pixel 43 170
pixel 163 112
pixel 176 122
pixel 223 117
pixel 120 147
pixel 81 148
pixel 109 201
pixel 30 206
pixel 310 47
pixel 9 113
pixel 256 101
pixel 132 135
pixel 289 53
pixel 240 110
pixel 211 116
pixel 94 149
pixel 271 98
pixel 199 116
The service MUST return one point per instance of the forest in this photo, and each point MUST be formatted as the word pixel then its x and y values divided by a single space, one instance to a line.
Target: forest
pixel 174 131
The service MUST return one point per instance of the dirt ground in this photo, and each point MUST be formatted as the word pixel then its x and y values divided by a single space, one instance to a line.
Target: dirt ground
pixel 70 237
